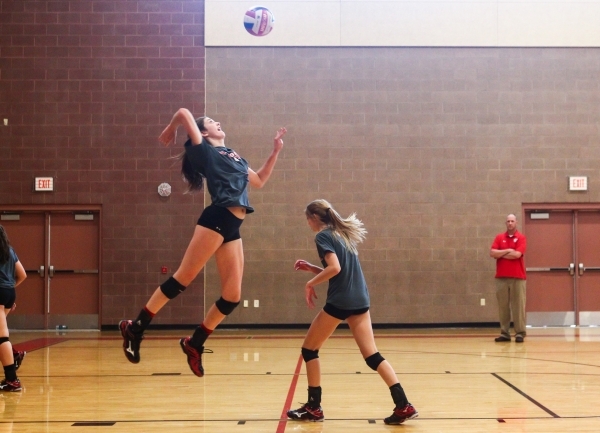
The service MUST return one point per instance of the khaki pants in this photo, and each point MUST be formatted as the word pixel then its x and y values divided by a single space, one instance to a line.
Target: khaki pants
pixel 510 293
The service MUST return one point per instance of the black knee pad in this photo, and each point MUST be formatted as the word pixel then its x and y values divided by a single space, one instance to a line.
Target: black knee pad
pixel 171 288
pixel 226 307
pixel 3 340
pixel 374 360
pixel 309 355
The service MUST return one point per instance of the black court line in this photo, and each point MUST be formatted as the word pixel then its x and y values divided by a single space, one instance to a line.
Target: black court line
pixel 538 404
pixel 94 424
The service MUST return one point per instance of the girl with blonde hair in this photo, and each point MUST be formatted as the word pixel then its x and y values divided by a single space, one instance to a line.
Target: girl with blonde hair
pixel 347 299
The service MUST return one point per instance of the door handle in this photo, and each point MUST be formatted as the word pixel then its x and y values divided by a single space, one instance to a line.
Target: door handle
pixel 581 269
pixel 51 271
pixel 571 268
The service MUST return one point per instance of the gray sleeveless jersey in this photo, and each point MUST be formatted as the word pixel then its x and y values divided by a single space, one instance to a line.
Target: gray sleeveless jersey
pixel 225 171
pixel 348 289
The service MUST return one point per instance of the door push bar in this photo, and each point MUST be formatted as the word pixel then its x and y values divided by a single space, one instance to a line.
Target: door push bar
pixel 571 269
pixel 582 268
pixel 39 271
pixel 53 271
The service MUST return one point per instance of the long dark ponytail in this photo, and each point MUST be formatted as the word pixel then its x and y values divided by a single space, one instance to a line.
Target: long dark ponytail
pixel 191 176
pixel 4 246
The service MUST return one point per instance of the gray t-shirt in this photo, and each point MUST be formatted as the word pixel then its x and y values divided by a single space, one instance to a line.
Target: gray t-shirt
pixel 7 271
pixel 225 171
pixel 348 289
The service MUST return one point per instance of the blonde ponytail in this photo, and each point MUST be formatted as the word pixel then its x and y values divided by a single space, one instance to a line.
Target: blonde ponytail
pixel 351 230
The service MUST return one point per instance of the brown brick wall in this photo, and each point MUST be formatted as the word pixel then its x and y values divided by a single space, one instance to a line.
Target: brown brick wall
pixel 432 147
pixel 87 87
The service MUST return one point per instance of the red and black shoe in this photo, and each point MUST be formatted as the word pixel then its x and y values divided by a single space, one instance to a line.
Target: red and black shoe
pixel 18 356
pixel 131 341
pixel 10 385
pixel 307 413
pixel 194 356
pixel 401 414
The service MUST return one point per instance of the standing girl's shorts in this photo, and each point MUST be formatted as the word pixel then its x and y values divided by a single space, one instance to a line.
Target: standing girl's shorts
pixel 340 314
pixel 220 220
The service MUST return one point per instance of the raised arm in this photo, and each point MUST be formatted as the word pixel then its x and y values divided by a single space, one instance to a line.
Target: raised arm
pixel 182 117
pixel 261 176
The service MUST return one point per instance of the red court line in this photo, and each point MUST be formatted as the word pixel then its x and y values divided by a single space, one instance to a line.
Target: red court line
pixel 288 401
pixel 38 343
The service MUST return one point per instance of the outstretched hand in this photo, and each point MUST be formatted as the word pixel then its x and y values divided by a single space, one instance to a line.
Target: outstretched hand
pixel 310 295
pixel 277 141
pixel 168 136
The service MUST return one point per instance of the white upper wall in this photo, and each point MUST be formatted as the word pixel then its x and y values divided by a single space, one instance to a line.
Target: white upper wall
pixel 432 23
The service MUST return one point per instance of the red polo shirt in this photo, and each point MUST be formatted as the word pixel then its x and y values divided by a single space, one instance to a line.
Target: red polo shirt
pixel 507 268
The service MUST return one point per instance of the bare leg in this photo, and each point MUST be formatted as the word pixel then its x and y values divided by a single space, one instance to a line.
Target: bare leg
pixel 320 330
pixel 203 245
pixel 230 263
pixel 6 353
pixel 362 330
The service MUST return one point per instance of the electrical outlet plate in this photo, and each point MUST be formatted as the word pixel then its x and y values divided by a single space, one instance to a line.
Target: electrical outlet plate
pixel 256 303
pixel 245 303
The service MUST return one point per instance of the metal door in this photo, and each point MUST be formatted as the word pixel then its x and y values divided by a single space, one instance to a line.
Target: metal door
pixel 550 266
pixel 563 266
pixel 588 267
pixel 27 235
pixel 60 250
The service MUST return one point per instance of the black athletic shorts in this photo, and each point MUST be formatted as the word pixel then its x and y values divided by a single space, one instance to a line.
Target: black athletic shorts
pixel 338 313
pixel 220 220
pixel 7 297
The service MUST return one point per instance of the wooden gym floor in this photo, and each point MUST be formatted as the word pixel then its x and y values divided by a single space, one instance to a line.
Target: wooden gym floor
pixel 459 380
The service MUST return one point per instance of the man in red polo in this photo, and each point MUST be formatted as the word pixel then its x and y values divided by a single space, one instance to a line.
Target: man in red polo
pixel 508 249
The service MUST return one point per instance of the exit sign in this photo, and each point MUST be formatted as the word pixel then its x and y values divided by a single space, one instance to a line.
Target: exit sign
pixel 578 183
pixel 44 184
